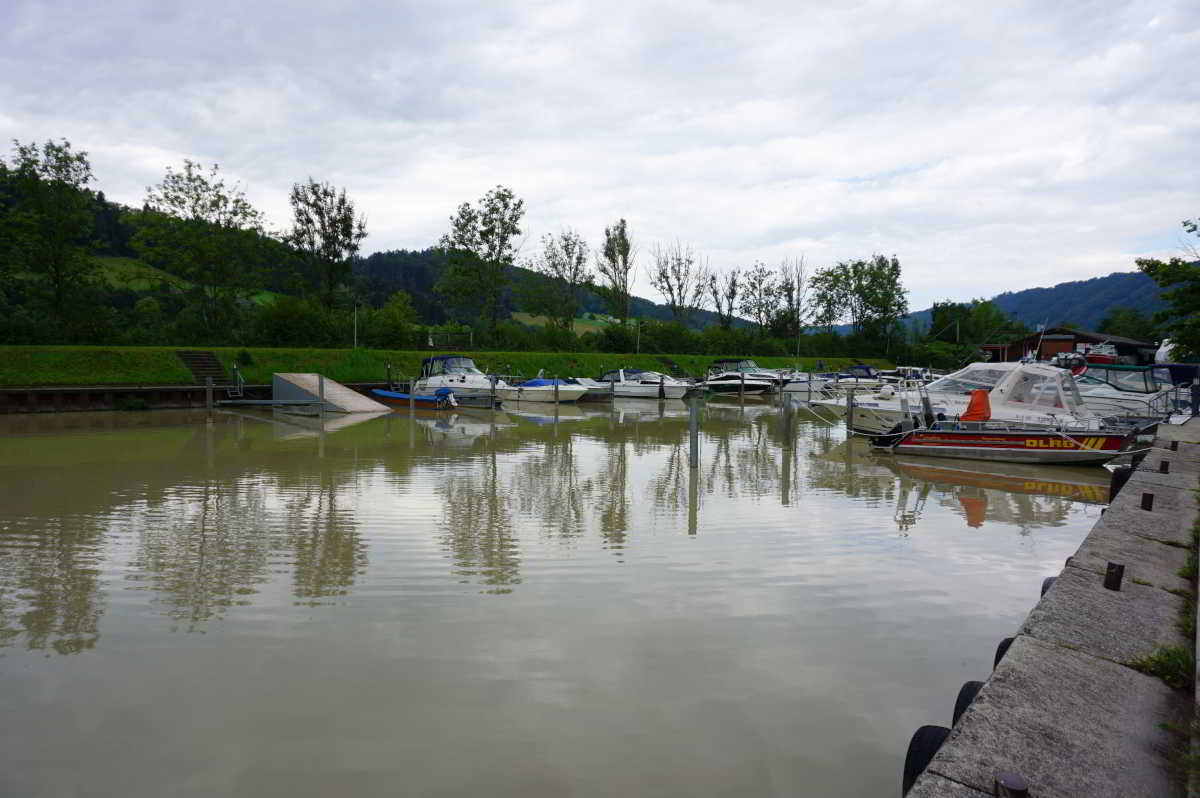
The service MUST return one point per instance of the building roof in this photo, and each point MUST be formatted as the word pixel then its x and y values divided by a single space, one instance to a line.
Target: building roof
pixel 1097 337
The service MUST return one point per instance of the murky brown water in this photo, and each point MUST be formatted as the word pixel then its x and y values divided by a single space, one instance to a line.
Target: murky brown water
pixel 497 604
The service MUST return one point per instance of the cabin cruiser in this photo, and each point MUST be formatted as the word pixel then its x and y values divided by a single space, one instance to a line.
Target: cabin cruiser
pixel 808 386
pixel 472 387
pixel 1128 390
pixel 738 382
pixel 751 369
pixel 857 377
pixel 636 384
pixel 1034 394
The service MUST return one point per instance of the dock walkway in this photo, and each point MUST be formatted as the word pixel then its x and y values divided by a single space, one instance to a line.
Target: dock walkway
pixel 1065 709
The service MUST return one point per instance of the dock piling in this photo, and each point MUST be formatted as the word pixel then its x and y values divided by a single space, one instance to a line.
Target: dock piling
pixel 556 397
pixel 208 393
pixel 693 434
pixel 849 410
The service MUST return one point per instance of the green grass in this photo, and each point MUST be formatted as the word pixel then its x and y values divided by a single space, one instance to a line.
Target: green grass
pixel 1175 665
pixel 581 325
pixel 136 275
pixel 158 365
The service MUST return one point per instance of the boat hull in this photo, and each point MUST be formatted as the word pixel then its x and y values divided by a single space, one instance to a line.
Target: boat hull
pixel 402 400
pixel 540 393
pixel 1025 446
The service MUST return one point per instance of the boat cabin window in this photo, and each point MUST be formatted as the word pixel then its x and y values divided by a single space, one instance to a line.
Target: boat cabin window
pixel 453 365
pixel 1038 390
pixel 972 378
pixel 610 376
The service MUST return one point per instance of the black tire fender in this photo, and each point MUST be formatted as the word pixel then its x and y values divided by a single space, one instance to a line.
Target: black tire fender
pixel 922 747
pixel 1001 650
pixel 966 694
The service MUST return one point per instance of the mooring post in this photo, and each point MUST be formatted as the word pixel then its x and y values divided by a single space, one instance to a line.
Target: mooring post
pixel 412 389
pixel 208 393
pixel 556 397
pixel 694 434
pixel 662 389
pixel 742 385
pixel 612 391
pixel 389 376
pixel 849 409
pixel 810 387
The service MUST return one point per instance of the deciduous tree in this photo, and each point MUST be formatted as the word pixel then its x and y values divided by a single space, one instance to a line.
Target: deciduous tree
pixel 614 263
pixel 199 228
pixel 563 263
pixel 681 278
pixel 867 294
pixel 1181 280
pixel 47 220
pixel 327 232
pixel 480 249
pixel 724 290
pixel 759 298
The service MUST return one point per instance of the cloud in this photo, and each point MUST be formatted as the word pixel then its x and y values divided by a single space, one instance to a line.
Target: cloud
pixel 990 147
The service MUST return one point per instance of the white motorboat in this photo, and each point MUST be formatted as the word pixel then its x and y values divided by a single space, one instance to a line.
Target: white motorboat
pixel 472 387
pixel 1125 390
pixel 806 386
pixel 637 384
pixel 1020 393
pixel 751 369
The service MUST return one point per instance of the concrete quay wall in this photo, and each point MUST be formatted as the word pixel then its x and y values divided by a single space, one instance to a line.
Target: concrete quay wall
pixel 1063 708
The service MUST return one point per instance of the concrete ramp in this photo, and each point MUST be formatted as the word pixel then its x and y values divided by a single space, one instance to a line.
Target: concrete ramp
pixel 338 398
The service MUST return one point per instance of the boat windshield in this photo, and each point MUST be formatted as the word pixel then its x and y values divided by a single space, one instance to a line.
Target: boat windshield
pixel 1136 381
pixel 972 378
pixel 454 365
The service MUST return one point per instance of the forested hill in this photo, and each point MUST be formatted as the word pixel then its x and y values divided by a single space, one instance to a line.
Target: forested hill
pixel 1081 303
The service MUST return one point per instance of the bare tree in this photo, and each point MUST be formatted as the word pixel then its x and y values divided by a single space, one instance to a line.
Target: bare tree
pixel 615 267
pixel 564 264
pixel 792 288
pixel 759 298
pixel 724 293
pixel 680 277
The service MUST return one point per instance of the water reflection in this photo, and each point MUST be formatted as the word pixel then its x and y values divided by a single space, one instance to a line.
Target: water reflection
pixel 207 511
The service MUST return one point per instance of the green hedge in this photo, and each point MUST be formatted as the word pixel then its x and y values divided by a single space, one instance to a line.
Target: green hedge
pixel 151 365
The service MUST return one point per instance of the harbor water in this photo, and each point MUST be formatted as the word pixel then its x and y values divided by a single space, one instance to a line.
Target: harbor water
pixel 525 602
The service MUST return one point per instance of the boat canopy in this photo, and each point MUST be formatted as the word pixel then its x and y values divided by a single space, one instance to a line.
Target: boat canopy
pixel 448 364
pixel 975 377
pixel 1044 388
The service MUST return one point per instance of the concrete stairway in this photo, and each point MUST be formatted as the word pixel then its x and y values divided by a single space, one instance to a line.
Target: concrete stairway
pixel 673 368
pixel 204 364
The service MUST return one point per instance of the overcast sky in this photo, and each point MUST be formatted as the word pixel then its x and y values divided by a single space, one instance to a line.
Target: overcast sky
pixel 989 145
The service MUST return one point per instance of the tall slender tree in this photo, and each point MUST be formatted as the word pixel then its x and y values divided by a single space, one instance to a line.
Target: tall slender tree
pixel 480 249
pixel 723 290
pixel 759 299
pixel 791 286
pixel 327 233
pixel 614 263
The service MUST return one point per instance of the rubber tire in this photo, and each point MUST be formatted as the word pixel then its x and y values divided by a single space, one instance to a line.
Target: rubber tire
pixel 1001 650
pixel 966 694
pixel 1120 476
pixel 1048 583
pixel 922 747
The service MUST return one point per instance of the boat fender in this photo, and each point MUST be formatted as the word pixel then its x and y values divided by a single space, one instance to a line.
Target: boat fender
pixel 1001 650
pixel 922 747
pixel 966 694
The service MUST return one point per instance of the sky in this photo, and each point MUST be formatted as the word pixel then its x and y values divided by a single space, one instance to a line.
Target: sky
pixel 989 146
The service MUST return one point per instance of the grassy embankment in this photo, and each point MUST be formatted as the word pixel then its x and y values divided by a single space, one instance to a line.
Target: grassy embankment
pixel 158 365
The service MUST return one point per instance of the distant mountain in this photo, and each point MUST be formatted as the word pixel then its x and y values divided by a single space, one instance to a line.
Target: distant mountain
pixel 1080 303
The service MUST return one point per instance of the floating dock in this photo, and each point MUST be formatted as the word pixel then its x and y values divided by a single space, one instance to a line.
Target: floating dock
pixel 297 387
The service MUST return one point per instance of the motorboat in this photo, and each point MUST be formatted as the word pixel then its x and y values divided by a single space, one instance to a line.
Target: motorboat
pixel 636 384
pixel 472 387
pixel 543 390
pixel 441 399
pixel 806 386
pixel 856 377
pixel 1006 443
pixel 1110 389
pixel 751 369
pixel 1030 394
pixel 743 378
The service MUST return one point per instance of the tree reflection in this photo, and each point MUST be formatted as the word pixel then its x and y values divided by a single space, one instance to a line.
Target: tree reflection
pixel 50 584
pixel 478 528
